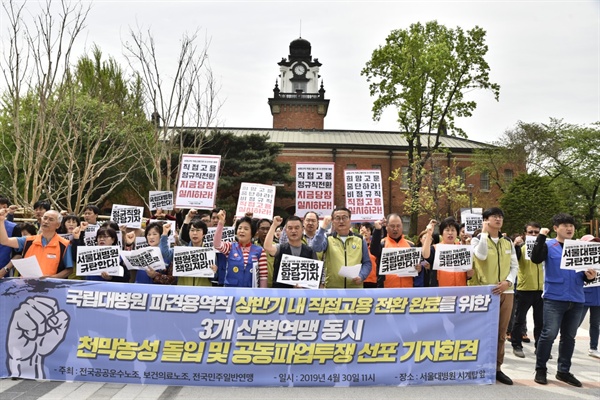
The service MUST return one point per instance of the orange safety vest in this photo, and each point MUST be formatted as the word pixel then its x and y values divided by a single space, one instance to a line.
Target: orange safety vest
pixel 49 257
pixel 449 278
pixel 372 278
pixel 395 281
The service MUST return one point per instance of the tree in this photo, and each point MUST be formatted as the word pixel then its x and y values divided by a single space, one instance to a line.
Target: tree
pixel 566 153
pixel 34 64
pixel 425 72
pixel 96 126
pixel 189 98
pixel 530 197
pixel 442 192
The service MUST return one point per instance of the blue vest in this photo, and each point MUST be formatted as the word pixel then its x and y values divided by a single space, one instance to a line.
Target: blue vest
pixel 239 274
pixel 561 284
pixel 5 251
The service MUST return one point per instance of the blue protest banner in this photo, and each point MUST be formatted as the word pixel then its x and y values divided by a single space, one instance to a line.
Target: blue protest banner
pixel 178 335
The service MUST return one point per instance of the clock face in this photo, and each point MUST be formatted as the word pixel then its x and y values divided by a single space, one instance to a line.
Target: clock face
pixel 299 69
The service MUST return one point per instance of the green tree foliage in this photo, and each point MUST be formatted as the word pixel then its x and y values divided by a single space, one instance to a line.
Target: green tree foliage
pixel 37 47
pixel 424 72
pixel 530 197
pixel 95 129
pixel 248 158
pixel 569 154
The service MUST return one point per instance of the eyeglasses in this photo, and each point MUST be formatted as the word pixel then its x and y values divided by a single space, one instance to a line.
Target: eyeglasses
pixel 497 216
pixel 533 232
pixel 341 218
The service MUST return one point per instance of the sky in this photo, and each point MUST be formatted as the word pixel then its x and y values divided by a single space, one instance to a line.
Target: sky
pixel 545 55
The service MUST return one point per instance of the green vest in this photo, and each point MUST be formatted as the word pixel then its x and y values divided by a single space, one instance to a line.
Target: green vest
pixel 530 276
pixel 339 253
pixel 193 281
pixel 496 267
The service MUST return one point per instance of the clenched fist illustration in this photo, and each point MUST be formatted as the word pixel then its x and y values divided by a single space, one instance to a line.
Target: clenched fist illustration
pixel 36 329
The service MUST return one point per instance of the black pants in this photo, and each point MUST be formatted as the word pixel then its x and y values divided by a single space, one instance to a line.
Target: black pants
pixel 525 300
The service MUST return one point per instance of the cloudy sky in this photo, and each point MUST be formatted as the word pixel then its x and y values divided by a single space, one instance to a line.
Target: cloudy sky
pixel 544 54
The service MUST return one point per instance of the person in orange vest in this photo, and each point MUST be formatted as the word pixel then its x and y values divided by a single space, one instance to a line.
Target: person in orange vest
pixel 366 231
pixel 394 238
pixel 53 252
pixel 449 231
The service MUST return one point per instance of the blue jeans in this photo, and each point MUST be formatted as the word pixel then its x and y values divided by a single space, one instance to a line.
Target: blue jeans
pixel 564 316
pixel 594 324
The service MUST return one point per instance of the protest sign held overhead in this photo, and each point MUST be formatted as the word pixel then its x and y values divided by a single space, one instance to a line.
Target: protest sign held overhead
pixel 472 221
pixel 131 216
pixel 364 194
pixel 314 188
pixel 160 199
pixel 198 179
pixel 257 199
pixel 228 236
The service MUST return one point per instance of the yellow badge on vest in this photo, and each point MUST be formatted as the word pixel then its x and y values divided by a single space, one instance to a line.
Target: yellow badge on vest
pixel 236 269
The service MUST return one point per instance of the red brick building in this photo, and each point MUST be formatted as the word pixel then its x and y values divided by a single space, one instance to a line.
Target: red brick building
pixel 299 108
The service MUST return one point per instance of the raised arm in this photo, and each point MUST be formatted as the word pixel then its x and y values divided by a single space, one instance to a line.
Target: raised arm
pixel 268 244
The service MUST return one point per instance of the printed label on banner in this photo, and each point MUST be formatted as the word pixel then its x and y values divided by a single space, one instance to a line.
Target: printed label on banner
pixel 213 336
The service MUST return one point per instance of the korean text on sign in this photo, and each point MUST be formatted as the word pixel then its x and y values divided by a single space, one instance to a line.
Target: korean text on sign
pixel 197 184
pixel 364 194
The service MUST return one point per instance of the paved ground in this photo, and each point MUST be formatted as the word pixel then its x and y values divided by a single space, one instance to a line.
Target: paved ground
pixel 585 368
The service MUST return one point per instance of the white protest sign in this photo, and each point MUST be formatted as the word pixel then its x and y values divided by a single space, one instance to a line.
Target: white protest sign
pixel 160 199
pixel 578 255
pixel 400 261
pixel 472 222
pixel 193 261
pixel 131 216
pixel 141 242
pixel 198 179
pixel 595 282
pixel 228 236
pixel 304 272
pixel 28 267
pixel 93 260
pixel 89 235
pixel 364 194
pixel 454 258
pixel 315 188
pixel 527 248
pixel 68 236
pixel 143 258
pixel 257 199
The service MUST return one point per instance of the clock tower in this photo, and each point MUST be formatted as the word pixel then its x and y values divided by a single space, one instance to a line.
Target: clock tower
pixel 298 100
